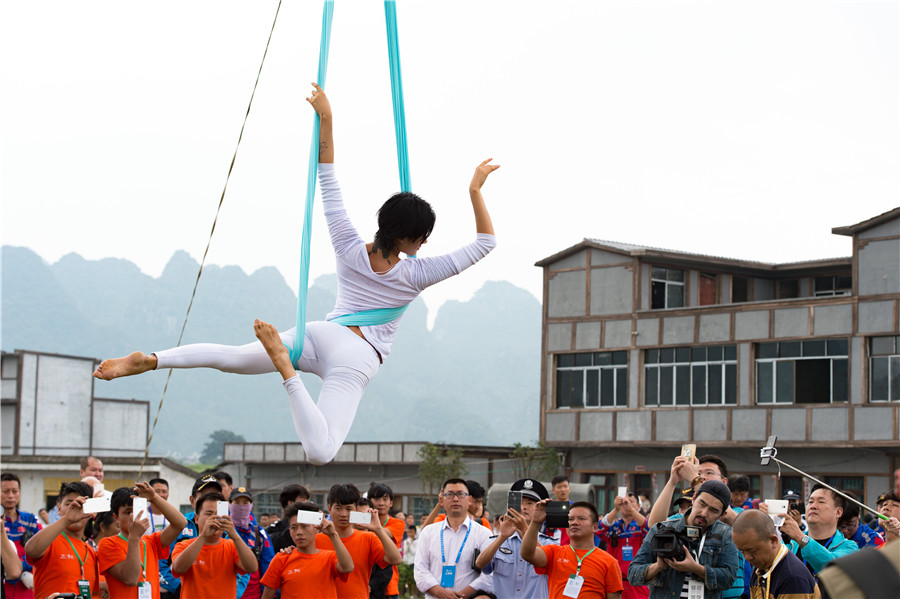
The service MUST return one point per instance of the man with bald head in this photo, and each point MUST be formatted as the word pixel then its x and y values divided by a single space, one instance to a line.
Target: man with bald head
pixel 777 573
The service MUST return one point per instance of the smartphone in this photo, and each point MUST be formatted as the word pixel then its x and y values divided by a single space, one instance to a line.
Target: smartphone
pixel 139 507
pixel 99 489
pixel 221 508
pixel 689 450
pixel 360 518
pixel 557 514
pixel 514 501
pixel 623 492
pixel 777 506
pixel 307 517
pixel 96 504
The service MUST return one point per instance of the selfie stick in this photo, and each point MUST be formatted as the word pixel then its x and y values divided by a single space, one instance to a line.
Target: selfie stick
pixel 769 452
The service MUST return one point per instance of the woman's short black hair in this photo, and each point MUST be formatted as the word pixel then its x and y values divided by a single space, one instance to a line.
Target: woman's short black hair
pixel 403 216
pixel 93 526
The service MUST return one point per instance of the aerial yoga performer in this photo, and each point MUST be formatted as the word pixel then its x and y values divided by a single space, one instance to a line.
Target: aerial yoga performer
pixel 371 277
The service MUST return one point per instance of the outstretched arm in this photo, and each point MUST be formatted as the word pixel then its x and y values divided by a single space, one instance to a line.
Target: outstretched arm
pixel 322 106
pixel 482 217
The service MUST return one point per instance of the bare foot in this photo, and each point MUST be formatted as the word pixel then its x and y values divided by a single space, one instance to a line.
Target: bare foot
pixel 278 353
pixel 135 363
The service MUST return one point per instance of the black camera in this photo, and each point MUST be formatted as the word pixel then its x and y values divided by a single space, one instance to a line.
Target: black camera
pixel 668 542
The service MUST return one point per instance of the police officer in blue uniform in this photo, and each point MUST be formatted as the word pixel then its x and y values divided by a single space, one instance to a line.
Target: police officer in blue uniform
pixel 512 575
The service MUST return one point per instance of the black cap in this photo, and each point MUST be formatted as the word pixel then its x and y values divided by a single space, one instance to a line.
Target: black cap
pixel 686 495
pixel 240 492
pixel 719 490
pixel 791 495
pixel 206 483
pixel 530 488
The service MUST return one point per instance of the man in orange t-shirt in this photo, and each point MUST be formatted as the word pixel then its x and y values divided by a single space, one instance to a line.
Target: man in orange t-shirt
pixel 308 572
pixel 62 562
pixel 371 545
pixel 131 563
pixel 382 498
pixel 578 569
pixel 209 565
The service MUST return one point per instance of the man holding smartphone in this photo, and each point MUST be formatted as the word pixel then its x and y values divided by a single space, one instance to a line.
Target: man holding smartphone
pixel 371 545
pixel 62 561
pixel 308 572
pixel 130 560
pixel 512 575
pixel 209 564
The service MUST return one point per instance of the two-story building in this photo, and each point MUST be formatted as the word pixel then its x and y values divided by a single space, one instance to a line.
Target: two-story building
pixel 645 349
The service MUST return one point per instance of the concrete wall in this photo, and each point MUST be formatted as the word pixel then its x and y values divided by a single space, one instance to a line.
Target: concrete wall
pixel 879 267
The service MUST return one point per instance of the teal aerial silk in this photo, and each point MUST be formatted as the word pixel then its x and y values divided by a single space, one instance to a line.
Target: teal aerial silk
pixel 366 317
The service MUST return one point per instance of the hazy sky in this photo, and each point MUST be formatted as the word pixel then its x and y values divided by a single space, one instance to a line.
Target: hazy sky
pixel 742 129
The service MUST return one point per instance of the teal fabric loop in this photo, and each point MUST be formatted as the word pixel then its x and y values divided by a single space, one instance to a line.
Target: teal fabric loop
pixel 390 19
pixel 303 286
pixel 370 317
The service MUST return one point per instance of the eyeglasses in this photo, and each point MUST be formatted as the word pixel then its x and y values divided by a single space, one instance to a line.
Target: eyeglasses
pixel 458 495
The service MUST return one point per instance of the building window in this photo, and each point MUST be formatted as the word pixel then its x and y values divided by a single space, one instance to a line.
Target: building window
pixel 884 368
pixel 708 292
pixel 833 285
pixel 591 380
pixel 667 288
pixel 740 289
pixel 801 371
pixel 604 487
pixel 787 288
pixel 697 376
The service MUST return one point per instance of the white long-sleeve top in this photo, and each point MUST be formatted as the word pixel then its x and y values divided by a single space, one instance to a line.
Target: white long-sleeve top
pixel 360 288
pixel 428 556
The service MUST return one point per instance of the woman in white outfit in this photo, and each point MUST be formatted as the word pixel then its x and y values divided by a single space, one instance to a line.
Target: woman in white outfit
pixel 371 276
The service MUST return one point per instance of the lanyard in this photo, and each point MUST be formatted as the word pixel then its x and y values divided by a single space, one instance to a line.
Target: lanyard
pixel 80 559
pixel 700 548
pixel 458 555
pixel 768 575
pixel 580 559
pixel 143 554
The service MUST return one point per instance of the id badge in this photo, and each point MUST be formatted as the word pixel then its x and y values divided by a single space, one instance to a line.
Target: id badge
pixel 573 586
pixel 84 589
pixel 627 553
pixel 695 589
pixel 448 576
pixel 145 591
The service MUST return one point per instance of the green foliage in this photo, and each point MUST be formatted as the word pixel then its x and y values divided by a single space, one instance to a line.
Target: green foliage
pixel 212 451
pixel 439 462
pixel 539 461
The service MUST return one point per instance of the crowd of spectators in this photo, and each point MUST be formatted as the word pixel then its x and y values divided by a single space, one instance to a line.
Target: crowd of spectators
pixel 705 535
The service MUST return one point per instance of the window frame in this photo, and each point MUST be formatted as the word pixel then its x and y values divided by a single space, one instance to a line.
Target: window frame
pixel 613 367
pixel 893 369
pixel 692 366
pixel 778 359
pixel 667 282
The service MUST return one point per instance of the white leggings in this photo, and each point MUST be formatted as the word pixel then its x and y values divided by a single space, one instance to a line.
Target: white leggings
pixel 344 361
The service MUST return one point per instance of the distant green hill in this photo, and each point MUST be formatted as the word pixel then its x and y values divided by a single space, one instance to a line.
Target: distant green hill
pixel 473 379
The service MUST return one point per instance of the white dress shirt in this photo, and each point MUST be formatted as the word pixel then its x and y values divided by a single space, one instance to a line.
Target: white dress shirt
pixel 428 555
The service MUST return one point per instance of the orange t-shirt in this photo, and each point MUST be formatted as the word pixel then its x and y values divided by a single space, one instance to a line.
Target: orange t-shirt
pixel 114 549
pixel 396 527
pixel 600 571
pixel 304 575
pixel 366 550
pixel 214 572
pixel 59 570
pixel 482 521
